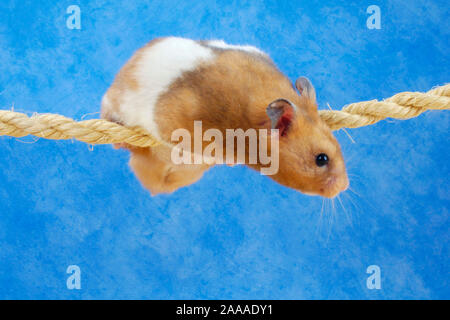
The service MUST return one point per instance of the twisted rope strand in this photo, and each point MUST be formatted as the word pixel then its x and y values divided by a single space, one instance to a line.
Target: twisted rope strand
pixel 404 105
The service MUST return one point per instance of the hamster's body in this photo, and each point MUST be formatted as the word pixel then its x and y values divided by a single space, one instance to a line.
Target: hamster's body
pixel 172 82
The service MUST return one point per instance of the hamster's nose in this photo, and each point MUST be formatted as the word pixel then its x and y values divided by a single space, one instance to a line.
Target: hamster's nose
pixel 335 185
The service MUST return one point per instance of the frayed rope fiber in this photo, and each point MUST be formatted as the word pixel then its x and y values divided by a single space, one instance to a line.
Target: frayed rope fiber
pixel 404 105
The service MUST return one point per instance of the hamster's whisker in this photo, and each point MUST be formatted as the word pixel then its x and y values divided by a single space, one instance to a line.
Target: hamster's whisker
pixel 319 221
pixel 330 219
pixel 343 129
pixel 348 160
pixel 350 189
pixel 348 135
pixel 354 179
pixel 355 205
pixel 335 213
pixel 345 210
pixel 353 175
pixel 349 163
pixel 357 208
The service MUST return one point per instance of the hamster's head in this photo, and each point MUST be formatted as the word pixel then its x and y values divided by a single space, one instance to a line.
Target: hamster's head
pixel 310 158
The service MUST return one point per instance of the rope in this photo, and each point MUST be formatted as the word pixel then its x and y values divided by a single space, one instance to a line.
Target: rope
pixel 404 105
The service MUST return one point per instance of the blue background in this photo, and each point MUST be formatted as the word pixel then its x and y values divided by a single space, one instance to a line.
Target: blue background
pixel 234 234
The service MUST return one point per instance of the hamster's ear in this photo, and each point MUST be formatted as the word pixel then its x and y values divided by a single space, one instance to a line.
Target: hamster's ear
pixel 281 114
pixel 306 89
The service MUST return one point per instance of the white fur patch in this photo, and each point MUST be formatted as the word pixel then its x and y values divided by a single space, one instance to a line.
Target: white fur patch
pixel 160 65
pixel 107 109
pixel 220 44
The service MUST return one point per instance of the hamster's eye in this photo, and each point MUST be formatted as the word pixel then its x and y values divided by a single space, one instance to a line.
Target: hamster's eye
pixel 321 160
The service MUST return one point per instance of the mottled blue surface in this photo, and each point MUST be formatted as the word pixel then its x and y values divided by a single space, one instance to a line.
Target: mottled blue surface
pixel 234 234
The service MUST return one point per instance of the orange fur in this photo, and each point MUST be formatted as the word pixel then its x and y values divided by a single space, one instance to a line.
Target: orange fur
pixel 234 92
pixel 158 174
